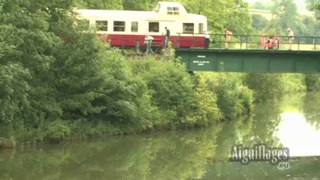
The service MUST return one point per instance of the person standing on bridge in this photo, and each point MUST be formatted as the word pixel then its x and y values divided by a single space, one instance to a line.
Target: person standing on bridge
pixel 167 37
pixel 263 41
pixel 277 42
pixel 227 35
pixel 271 42
pixel 207 39
pixel 148 41
pixel 290 38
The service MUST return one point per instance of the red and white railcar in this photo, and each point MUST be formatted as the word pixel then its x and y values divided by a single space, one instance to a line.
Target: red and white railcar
pixel 129 28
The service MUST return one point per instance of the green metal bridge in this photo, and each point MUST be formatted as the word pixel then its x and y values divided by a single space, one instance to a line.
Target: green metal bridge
pixel 248 54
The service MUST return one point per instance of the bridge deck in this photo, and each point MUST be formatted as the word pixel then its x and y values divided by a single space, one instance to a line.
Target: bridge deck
pixel 248 53
pixel 250 60
pixel 251 53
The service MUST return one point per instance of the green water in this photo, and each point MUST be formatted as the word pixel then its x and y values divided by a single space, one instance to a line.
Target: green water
pixel 188 154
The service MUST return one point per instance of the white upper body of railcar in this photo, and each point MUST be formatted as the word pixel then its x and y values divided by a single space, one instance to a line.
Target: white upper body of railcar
pixel 166 14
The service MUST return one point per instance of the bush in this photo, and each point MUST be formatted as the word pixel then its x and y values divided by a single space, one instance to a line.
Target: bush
pixel 312 82
pixel 233 97
pixel 57 131
pixel 266 87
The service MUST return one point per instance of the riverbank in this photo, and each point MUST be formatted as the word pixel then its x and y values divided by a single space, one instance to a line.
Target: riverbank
pixel 201 153
pixel 148 95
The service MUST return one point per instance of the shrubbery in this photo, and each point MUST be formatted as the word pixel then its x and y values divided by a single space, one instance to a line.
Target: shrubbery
pixel 57 131
pixel 59 81
pixel 234 98
pixel 312 82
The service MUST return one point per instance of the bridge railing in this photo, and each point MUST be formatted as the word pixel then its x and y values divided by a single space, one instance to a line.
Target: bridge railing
pixel 217 41
pixel 299 43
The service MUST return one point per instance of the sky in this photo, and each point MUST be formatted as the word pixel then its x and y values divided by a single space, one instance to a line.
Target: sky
pixel 301 5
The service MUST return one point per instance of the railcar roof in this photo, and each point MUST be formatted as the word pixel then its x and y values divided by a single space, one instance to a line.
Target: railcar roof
pixel 115 13
pixel 101 14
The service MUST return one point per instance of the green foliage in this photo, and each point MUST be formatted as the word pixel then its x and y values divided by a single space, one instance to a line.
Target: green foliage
pixel 312 82
pixel 231 14
pixel 80 77
pixel 233 97
pixel 259 23
pixel 181 99
pixel 267 87
pixel 294 83
pixel 181 154
pixel 14 91
pixel 99 4
pixel 125 98
pixel 170 89
pixel 314 5
pixel 57 80
pixel 57 131
pixel 261 5
pixel 311 107
pixel 139 4
pixel 206 108
pixel 285 16
pixel 272 87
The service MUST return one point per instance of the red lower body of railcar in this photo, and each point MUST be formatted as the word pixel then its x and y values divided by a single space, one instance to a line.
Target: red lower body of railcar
pixel 126 40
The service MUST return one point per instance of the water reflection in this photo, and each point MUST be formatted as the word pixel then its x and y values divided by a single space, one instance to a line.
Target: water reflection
pixel 189 154
pixel 311 108
pixel 278 125
pixel 298 135
pixel 299 126
pixel 180 155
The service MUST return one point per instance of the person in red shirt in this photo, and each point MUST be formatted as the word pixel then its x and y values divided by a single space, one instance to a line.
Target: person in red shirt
pixel 263 41
pixel 270 42
pixel 277 42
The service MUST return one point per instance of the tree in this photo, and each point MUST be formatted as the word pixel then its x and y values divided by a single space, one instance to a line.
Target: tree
pixel 139 5
pixel 30 46
pixel 231 14
pixel 261 5
pixel 259 23
pixel 99 4
pixel 314 5
pixel 285 12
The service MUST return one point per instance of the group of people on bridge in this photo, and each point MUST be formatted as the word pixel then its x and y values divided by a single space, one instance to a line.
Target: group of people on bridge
pixel 274 41
pixel 148 41
pixel 271 42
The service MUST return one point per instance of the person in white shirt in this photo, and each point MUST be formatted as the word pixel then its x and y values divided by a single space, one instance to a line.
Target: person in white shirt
pixel 148 41
pixel 290 38
pixel 227 35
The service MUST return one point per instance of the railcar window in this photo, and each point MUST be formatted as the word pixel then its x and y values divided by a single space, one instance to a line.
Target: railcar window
pixel 200 28
pixel 119 26
pixel 102 25
pixel 188 28
pixel 153 26
pixel 173 10
pixel 134 26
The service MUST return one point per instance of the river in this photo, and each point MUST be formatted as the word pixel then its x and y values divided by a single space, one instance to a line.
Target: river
pixel 187 154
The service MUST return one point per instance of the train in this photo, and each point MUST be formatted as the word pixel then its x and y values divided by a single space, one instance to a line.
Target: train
pixel 124 28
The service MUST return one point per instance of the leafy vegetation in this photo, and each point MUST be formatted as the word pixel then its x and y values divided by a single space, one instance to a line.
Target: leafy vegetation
pixel 58 81
pixel 285 15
